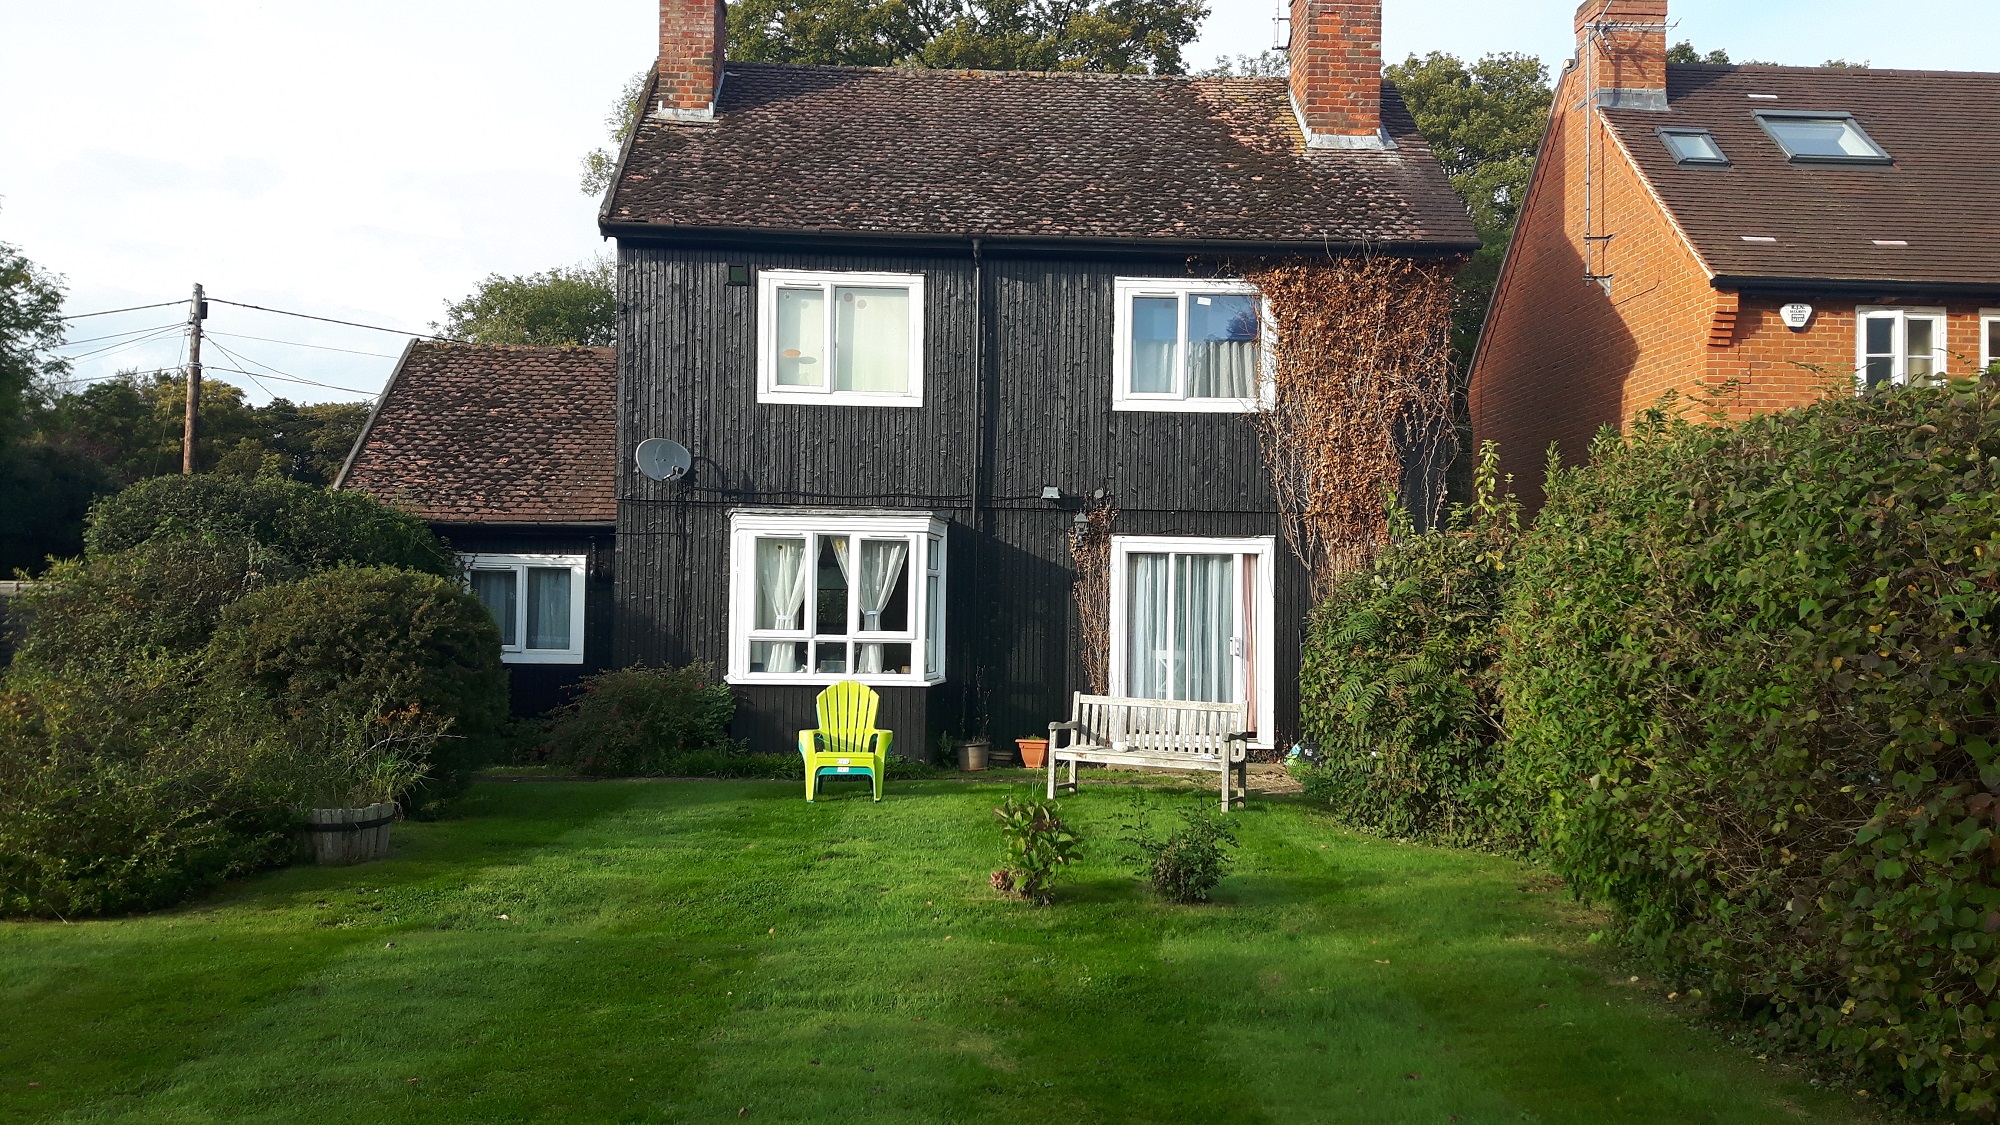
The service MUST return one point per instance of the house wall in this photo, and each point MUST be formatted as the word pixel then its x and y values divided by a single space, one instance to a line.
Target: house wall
pixel 1041 416
pixel 1767 366
pixel 535 688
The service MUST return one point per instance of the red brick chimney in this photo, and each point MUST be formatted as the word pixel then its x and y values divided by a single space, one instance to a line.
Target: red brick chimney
pixel 691 44
pixel 1621 47
pixel 1336 59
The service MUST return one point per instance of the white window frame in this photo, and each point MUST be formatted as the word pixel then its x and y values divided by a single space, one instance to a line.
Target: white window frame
pixel 519 653
pixel 1264 550
pixel 925 636
pixel 768 390
pixel 1124 289
pixel 1901 315
pixel 1988 354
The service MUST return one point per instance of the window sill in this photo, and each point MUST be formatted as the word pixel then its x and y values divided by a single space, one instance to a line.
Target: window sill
pixel 762 679
pixel 836 398
pixel 1188 405
pixel 541 658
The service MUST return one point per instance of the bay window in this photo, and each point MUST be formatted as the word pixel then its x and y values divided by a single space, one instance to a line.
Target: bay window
pixel 536 602
pixel 1899 346
pixel 1184 345
pixel 819 597
pixel 1191 620
pixel 853 339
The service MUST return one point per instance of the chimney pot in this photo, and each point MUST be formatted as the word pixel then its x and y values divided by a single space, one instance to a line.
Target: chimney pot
pixel 1336 61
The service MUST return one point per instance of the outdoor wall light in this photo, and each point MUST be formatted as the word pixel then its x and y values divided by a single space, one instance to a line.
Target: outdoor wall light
pixel 1052 494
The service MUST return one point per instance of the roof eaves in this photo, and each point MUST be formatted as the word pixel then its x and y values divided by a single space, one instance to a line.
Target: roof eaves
pixel 740 236
pixel 374 412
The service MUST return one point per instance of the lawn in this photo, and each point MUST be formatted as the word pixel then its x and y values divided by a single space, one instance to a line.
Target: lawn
pixel 699 951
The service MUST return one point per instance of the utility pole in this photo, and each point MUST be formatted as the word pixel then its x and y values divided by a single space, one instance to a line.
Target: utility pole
pixel 197 312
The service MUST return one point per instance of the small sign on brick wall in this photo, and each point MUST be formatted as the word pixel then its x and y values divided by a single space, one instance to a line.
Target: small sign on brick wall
pixel 1797 316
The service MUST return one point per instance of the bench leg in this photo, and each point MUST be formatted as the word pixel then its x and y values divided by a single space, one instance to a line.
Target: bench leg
pixel 1072 777
pixel 1225 787
pixel 1243 783
pixel 1052 775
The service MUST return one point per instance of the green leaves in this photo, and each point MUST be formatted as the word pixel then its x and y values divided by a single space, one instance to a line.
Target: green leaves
pixel 1132 36
pixel 1038 844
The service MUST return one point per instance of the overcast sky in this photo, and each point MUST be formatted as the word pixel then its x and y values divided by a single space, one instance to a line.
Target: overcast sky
pixel 369 160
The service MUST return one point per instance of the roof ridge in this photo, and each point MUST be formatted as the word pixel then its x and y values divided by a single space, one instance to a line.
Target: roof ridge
pixel 1833 71
pixel 968 72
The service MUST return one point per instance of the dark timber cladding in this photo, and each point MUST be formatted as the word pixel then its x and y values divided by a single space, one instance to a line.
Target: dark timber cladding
pixel 688 372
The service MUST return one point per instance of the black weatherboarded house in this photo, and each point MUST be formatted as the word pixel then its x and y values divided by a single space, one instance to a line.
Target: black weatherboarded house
pixel 913 324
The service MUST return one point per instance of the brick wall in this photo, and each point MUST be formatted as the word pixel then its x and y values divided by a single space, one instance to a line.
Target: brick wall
pixel 1628 57
pixel 1772 367
pixel 1336 61
pixel 691 48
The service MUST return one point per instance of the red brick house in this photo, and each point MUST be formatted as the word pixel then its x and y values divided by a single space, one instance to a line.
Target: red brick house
pixel 1771 233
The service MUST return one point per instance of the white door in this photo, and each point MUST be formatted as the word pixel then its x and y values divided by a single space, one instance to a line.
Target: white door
pixel 1191 620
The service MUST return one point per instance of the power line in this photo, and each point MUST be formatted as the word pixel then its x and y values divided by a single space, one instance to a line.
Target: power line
pixel 330 320
pixel 291 379
pixel 114 335
pixel 276 373
pixel 295 343
pixel 112 349
pixel 108 312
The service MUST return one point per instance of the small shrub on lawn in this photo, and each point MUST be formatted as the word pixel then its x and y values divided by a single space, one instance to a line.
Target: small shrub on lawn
pixel 372 634
pixel 1399 678
pixel 1189 863
pixel 641 722
pixel 1039 845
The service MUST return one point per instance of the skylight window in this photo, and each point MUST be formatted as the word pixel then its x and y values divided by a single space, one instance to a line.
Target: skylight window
pixel 1822 138
pixel 1694 146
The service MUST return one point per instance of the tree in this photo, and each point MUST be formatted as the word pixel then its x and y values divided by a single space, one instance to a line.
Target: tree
pixel 563 306
pixel 1269 64
pixel 1684 52
pixel 31 328
pixel 600 164
pixel 1127 36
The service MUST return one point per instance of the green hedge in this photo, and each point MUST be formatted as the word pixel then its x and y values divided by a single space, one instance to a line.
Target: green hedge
pixel 643 722
pixel 1750 679
pixel 1398 679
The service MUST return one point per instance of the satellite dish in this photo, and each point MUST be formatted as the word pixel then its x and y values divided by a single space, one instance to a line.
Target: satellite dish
pixel 661 459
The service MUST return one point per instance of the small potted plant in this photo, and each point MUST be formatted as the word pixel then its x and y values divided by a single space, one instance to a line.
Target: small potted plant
pixel 1034 751
pixel 348 769
pixel 973 752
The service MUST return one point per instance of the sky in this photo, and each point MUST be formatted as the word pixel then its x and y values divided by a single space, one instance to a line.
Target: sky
pixel 371 160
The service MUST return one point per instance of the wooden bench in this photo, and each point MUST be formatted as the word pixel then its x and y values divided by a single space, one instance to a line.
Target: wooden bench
pixel 1154 734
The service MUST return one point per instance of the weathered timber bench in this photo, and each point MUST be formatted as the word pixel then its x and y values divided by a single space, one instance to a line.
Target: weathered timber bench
pixel 1154 734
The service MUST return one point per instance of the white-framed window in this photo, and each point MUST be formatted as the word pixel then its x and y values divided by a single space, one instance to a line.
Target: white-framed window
pixel 1898 346
pixel 1192 619
pixel 816 597
pixel 1188 345
pixel 1989 338
pixel 537 602
pixel 845 339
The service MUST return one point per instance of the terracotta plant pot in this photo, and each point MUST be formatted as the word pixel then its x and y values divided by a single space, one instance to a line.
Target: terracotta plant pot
pixel 1034 751
pixel 972 754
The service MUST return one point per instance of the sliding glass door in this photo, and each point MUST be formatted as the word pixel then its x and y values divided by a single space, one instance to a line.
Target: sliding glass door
pixel 1187 619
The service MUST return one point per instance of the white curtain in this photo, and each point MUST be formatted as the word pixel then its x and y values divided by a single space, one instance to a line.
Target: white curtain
pixel 781 598
pixel 801 337
pixel 495 591
pixel 548 607
pixel 1146 670
pixel 1156 331
pixel 871 339
pixel 1224 350
pixel 1204 625
pixel 881 569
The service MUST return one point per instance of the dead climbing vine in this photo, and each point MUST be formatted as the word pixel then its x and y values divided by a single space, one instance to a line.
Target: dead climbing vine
pixel 1363 361
pixel 1090 548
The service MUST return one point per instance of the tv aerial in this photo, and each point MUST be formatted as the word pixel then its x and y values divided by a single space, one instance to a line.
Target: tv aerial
pixel 660 459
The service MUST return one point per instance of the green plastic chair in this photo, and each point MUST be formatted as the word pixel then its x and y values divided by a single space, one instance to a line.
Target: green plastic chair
pixel 846 743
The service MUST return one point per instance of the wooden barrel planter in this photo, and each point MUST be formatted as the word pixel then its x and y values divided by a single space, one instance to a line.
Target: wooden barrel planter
pixel 345 836
pixel 972 753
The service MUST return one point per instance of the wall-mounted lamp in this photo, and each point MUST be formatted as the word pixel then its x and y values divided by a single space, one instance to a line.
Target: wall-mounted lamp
pixel 1052 494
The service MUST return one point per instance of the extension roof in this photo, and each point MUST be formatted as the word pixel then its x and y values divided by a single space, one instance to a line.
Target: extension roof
pixel 469 433
pixel 884 153
pixel 1941 128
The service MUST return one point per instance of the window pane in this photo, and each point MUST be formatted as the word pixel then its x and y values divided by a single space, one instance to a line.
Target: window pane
pixel 801 337
pixel 1204 626
pixel 1880 371
pixel 1223 351
pixel 495 590
pixel 871 340
pixel 781 584
pixel 830 657
pixel 777 656
pixel 889 659
pixel 1993 341
pixel 548 606
pixel 1921 335
pixel 1835 137
pixel 885 599
pixel 1696 147
pixel 830 615
pixel 1156 332
pixel 1146 628
pixel 934 637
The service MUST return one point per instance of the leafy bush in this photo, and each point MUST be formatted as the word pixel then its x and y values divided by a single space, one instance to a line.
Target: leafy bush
pixel 1189 863
pixel 1039 845
pixel 641 722
pixel 366 634
pixel 107 804
pixel 313 527
pixel 339 756
pixel 1398 678
pixel 1753 698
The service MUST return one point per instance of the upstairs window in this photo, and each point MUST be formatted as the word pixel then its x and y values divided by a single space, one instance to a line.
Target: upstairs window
pixel 842 339
pixel 1989 339
pixel 819 597
pixel 1899 347
pixel 1190 346
pixel 1822 138
pixel 536 602
pixel 1694 146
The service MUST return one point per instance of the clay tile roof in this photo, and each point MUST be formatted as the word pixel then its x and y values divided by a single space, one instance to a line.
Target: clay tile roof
pixel 473 434
pixel 1002 154
pixel 1941 128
